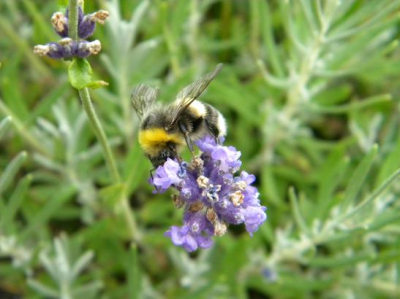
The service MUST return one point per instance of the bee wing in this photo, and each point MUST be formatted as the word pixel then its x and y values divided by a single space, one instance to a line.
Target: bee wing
pixel 143 97
pixel 191 92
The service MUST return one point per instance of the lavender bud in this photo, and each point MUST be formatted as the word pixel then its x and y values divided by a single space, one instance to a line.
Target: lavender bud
pixel 178 202
pixel 240 185
pixel 85 48
pixel 236 198
pixel 195 207
pixel 68 47
pixel 203 182
pixel 41 50
pixel 197 163
pixel 88 24
pixel 52 50
pixel 220 228
pixel 211 215
pixel 60 24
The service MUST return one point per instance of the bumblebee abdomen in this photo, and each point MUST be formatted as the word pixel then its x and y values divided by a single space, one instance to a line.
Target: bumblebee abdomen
pixel 215 121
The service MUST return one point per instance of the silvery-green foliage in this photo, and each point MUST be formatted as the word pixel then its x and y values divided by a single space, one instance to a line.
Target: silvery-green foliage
pixel 309 89
pixel 65 271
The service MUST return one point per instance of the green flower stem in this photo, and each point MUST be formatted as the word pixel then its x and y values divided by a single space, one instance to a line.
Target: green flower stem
pixel 109 157
pixel 98 129
pixel 73 19
pixel 101 136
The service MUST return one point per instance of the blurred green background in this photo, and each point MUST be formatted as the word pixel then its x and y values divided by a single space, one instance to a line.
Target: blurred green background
pixel 310 92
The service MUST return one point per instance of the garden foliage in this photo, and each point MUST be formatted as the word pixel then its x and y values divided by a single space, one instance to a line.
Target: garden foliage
pixel 310 92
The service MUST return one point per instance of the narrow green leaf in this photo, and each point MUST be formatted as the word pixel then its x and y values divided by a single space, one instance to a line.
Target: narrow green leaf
pixel 270 44
pixel 38 18
pixel 134 275
pixel 19 42
pixel 136 171
pixel 81 264
pixel 45 104
pixel 80 73
pixel 96 84
pixel 4 125
pixel 390 164
pixel 16 200
pixel 297 214
pixel 372 197
pixel 365 103
pixel 87 290
pixel 329 178
pixel 382 219
pixel 43 289
pixel 113 195
pixel 51 207
pixel 337 262
pixel 357 179
pixel 332 96
pixel 270 187
pixel 11 170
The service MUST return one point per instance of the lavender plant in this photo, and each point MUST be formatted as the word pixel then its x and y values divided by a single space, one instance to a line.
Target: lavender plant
pixel 310 94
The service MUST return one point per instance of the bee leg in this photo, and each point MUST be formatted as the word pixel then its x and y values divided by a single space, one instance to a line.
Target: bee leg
pixel 188 140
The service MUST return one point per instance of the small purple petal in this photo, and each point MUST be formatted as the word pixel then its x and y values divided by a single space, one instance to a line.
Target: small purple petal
pixel 167 175
pixel 207 144
pixel 254 217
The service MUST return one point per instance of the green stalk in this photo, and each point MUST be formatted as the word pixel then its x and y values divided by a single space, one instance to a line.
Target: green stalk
pixel 98 129
pixel 100 134
pixel 73 19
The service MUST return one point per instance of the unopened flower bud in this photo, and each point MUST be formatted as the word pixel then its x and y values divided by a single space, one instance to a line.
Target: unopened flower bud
pixel 203 182
pixel 196 206
pixel 236 198
pixel 211 215
pixel 88 24
pixel 178 201
pixel 41 50
pixel 60 24
pixel 220 228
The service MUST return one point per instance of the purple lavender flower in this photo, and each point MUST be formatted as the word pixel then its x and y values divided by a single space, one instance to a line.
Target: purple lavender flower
pixel 86 23
pixel 67 48
pixel 213 196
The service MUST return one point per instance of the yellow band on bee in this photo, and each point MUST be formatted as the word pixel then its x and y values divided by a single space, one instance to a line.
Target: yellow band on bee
pixel 152 139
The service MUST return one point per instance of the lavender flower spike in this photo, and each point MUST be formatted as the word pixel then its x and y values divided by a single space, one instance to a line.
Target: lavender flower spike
pixel 67 48
pixel 213 196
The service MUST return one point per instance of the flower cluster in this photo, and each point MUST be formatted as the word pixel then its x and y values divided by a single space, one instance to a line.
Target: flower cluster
pixel 212 196
pixel 67 48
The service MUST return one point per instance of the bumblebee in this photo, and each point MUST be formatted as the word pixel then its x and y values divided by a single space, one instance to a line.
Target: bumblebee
pixel 165 129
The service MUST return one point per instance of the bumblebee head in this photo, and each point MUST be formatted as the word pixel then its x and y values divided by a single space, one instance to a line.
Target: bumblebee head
pixel 159 145
pixel 162 156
